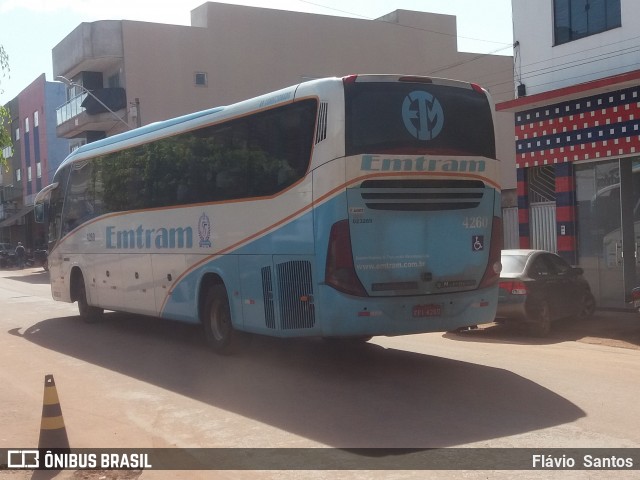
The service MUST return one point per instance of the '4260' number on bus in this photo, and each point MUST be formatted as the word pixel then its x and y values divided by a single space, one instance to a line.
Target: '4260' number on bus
pixel 475 222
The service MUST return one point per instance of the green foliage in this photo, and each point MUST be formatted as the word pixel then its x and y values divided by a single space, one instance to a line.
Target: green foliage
pixel 5 117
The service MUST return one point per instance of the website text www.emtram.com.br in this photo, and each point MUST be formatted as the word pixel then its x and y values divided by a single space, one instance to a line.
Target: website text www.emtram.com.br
pixel 390 266
pixel 389 262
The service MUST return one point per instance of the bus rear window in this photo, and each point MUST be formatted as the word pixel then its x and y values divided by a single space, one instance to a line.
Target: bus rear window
pixel 416 119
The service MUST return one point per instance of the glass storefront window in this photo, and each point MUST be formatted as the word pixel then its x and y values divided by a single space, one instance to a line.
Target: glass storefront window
pixel 598 209
pixel 608 210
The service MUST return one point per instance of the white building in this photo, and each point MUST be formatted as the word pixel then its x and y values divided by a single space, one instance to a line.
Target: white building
pixel 577 132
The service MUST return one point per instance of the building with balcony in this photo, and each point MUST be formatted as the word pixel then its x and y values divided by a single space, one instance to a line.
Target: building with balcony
pixel 577 136
pixel 146 72
pixel 36 154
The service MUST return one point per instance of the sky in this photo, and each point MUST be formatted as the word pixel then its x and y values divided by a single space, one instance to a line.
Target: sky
pixel 29 29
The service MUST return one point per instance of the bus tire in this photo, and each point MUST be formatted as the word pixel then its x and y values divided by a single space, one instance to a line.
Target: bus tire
pixel 88 313
pixel 216 320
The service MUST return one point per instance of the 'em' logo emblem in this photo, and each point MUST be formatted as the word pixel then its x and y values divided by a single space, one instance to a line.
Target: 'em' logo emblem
pixel 422 115
pixel 204 230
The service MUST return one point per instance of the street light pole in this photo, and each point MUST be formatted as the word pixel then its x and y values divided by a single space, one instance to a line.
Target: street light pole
pixel 69 83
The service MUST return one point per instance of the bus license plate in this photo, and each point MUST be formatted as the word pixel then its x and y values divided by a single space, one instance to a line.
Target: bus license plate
pixel 432 310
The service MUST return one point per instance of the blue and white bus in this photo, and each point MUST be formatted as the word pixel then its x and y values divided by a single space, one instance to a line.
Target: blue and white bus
pixel 342 207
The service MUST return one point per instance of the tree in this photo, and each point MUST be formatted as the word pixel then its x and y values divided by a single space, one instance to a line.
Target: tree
pixel 5 117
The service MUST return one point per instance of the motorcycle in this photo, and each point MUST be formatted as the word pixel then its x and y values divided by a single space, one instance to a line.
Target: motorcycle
pixel 635 298
pixel 7 259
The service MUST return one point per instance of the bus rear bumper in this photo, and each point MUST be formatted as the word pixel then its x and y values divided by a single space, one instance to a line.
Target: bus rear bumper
pixel 370 316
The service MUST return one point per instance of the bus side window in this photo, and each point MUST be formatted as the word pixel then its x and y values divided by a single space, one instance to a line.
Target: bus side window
pixel 83 201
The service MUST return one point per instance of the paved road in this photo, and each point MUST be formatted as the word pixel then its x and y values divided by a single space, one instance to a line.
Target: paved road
pixel 137 382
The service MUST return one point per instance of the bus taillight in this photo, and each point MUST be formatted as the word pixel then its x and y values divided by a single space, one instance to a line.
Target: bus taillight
pixel 477 88
pixel 492 272
pixel 349 79
pixel 340 272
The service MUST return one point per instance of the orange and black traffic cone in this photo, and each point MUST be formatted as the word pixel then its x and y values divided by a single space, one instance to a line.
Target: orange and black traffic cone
pixel 53 434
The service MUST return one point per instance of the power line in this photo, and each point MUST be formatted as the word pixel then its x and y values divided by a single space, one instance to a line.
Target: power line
pixel 577 63
pixel 463 62
pixel 581 76
pixel 524 75
pixel 547 70
pixel 405 26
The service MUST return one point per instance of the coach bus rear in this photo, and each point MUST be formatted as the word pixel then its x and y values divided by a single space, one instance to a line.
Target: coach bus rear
pixel 413 235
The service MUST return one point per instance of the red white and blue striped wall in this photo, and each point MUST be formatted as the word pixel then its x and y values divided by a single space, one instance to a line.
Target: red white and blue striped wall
pixel 600 126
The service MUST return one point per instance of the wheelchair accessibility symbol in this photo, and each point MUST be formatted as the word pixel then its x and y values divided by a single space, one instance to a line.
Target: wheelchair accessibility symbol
pixel 477 243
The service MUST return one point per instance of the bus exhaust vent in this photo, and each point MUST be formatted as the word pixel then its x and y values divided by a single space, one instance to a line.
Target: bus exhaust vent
pixel 321 129
pixel 267 296
pixel 296 295
pixel 422 195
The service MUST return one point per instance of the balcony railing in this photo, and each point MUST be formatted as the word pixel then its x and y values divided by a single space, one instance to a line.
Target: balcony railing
pixel 71 109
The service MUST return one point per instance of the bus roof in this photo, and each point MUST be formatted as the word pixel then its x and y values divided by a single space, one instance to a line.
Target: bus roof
pixel 131 135
pixel 162 128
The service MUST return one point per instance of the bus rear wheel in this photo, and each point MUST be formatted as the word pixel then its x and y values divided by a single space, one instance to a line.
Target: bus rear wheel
pixel 216 320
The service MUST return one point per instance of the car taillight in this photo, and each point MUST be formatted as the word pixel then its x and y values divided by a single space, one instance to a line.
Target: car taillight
pixel 340 272
pixel 635 294
pixel 514 287
pixel 494 267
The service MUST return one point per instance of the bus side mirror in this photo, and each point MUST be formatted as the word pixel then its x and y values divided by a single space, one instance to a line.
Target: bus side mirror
pixel 41 203
pixel 39 213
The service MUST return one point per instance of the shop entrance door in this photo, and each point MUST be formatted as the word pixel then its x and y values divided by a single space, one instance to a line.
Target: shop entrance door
pixel 608 196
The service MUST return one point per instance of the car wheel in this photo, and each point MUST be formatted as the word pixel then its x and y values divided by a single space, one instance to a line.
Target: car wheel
pixel 587 307
pixel 542 325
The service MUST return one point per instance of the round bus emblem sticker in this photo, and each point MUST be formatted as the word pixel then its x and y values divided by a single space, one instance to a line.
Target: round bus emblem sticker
pixel 204 230
pixel 422 115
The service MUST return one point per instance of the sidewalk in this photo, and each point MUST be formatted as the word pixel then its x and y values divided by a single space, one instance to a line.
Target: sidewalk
pixel 606 327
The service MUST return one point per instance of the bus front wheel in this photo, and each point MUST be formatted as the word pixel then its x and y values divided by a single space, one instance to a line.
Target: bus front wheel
pixel 88 313
pixel 216 320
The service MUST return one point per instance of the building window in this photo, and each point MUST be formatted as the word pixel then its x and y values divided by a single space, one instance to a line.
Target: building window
pixel 36 119
pixel 39 170
pixel 201 79
pixel 26 125
pixel 29 173
pixel 18 175
pixel 114 81
pixel 17 134
pixel 574 19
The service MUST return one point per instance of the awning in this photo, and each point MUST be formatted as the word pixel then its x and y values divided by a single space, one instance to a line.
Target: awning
pixel 16 216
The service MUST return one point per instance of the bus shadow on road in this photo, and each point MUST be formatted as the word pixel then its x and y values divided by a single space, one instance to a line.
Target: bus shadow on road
pixel 37 277
pixel 346 397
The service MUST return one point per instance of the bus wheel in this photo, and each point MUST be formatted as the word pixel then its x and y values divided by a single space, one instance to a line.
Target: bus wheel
pixel 216 320
pixel 88 313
